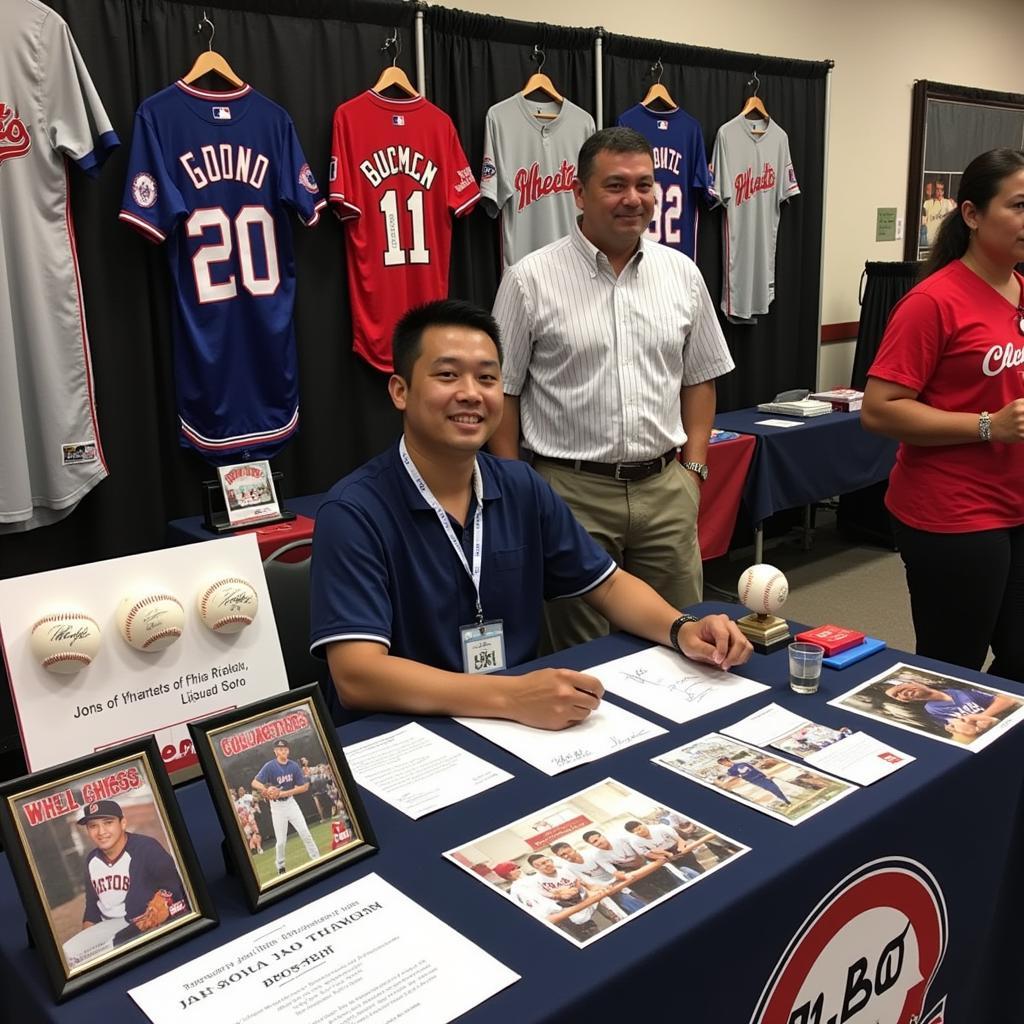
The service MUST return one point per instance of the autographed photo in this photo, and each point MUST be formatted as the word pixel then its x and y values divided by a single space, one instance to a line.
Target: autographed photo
pixel 943 708
pixel 595 860
pixel 773 785
pixel 289 806
pixel 104 862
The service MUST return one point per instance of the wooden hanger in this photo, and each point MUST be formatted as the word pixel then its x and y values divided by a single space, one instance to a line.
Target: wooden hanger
pixel 658 92
pixel 755 106
pixel 394 76
pixel 539 82
pixel 209 60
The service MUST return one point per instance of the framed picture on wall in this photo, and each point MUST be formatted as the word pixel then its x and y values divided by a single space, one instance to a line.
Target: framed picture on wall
pixel 951 125
pixel 103 863
pixel 284 793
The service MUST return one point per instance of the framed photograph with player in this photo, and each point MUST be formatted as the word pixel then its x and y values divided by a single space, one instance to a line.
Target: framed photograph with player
pixel 103 863
pixel 284 793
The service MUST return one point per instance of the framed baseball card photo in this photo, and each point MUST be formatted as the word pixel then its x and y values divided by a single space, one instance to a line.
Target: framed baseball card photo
pixel 284 793
pixel 103 863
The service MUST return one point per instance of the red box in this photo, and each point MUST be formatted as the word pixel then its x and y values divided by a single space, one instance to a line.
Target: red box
pixel 833 638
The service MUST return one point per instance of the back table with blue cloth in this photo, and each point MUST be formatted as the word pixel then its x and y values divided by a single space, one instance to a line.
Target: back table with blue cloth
pixel 820 457
pixel 706 954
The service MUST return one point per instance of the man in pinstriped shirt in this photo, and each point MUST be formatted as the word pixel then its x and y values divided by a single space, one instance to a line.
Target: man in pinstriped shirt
pixel 612 348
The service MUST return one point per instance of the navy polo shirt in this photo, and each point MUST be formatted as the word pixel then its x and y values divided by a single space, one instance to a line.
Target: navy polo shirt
pixel 384 570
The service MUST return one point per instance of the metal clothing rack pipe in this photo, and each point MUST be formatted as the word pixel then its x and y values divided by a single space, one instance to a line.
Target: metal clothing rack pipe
pixel 599 78
pixel 421 64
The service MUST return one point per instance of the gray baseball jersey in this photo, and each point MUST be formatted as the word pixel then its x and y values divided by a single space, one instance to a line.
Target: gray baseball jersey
pixel 49 110
pixel 528 170
pixel 753 177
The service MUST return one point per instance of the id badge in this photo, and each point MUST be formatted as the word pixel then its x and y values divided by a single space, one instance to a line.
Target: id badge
pixel 483 646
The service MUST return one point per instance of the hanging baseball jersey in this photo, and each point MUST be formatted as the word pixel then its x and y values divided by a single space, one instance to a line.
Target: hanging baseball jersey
pixel 398 173
pixel 49 110
pixel 681 177
pixel 528 169
pixel 212 174
pixel 753 177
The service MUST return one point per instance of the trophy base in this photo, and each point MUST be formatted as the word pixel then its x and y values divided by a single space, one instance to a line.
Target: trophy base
pixel 766 633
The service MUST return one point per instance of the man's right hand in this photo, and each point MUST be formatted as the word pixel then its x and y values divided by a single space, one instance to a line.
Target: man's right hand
pixel 553 698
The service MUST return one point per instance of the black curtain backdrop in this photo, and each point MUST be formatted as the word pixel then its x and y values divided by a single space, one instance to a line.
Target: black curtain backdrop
pixel 474 61
pixel 883 285
pixel 780 351
pixel 309 56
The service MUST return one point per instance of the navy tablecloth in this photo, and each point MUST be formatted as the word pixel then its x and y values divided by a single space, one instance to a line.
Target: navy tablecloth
pixel 704 955
pixel 821 457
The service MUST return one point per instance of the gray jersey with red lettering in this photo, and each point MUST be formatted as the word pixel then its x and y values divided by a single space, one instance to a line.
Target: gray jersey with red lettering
pixel 528 170
pixel 753 177
pixel 49 111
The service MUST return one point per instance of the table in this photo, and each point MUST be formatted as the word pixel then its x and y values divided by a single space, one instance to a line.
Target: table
pixel 708 951
pixel 720 502
pixel 793 466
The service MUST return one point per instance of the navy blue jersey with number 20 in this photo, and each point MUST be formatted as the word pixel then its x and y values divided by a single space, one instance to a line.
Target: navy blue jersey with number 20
pixel 212 174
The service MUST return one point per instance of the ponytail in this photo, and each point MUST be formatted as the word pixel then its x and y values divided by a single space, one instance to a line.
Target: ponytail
pixel 950 242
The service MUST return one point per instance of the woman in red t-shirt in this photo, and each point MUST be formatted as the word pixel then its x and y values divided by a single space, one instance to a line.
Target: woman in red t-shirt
pixel 948 382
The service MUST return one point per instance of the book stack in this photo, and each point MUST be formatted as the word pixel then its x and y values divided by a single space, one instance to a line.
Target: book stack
pixel 842 646
pixel 801 407
pixel 841 399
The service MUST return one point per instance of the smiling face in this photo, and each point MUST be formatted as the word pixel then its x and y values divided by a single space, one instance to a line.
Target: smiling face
pixel 108 835
pixel 617 200
pixel 909 692
pixel 453 401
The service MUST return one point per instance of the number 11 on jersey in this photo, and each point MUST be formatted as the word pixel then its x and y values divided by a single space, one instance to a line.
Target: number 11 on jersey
pixel 395 255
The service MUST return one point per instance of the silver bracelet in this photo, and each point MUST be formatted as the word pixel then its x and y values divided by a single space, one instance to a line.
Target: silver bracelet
pixel 985 427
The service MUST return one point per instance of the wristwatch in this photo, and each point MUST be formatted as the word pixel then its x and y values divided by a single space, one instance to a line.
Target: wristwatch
pixel 699 468
pixel 673 633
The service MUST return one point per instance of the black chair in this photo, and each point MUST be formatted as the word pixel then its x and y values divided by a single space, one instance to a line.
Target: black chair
pixel 288 583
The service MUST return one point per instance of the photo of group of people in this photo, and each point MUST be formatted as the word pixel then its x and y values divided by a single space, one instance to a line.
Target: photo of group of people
pixel 284 791
pixel 810 738
pixel 593 861
pixel 107 869
pixel 941 707
pixel 774 785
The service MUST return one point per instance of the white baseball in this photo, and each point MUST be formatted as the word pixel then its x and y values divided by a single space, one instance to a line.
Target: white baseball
pixel 150 619
pixel 227 604
pixel 763 588
pixel 65 640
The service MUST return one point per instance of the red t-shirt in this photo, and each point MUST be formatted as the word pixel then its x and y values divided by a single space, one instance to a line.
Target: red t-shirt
pixel 397 169
pixel 956 341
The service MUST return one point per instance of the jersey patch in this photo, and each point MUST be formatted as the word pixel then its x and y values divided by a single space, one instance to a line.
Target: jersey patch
pixel 488 170
pixel 144 190
pixel 77 454
pixel 398 120
pixel 15 140
pixel 306 179
pixel 221 113
pixel 466 180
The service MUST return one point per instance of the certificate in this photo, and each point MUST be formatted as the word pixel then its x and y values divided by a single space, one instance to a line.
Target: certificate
pixel 418 771
pixel 365 953
pixel 601 733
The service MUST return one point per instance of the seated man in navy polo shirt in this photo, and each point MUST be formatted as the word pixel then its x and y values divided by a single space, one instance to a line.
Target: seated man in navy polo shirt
pixel 432 561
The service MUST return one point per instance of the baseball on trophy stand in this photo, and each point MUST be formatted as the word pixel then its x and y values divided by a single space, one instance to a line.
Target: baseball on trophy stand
pixel 150 619
pixel 227 604
pixel 64 640
pixel 764 589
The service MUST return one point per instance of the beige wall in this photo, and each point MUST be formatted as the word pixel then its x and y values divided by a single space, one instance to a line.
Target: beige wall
pixel 880 47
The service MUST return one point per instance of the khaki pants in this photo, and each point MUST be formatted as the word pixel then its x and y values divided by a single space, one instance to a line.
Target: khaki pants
pixel 648 527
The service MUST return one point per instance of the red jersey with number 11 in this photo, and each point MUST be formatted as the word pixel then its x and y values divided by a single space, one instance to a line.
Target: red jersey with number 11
pixel 397 173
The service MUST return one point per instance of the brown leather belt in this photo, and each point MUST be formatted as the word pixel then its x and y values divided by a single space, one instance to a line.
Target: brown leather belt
pixel 628 472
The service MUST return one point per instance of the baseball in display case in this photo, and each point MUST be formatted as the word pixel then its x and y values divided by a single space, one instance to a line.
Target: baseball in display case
pixel 103 864
pixel 284 793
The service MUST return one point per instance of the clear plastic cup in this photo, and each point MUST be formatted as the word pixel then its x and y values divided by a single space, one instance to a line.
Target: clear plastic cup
pixel 805 667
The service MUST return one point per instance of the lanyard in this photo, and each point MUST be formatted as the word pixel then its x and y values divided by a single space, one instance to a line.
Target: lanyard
pixel 478 520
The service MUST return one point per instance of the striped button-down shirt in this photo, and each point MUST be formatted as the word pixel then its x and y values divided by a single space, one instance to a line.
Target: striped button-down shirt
pixel 599 360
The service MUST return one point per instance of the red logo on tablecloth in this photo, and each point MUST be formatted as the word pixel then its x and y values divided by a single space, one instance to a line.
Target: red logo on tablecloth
pixel 867 952
pixel 14 137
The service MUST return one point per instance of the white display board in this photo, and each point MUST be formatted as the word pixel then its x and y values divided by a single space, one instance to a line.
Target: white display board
pixel 125 693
